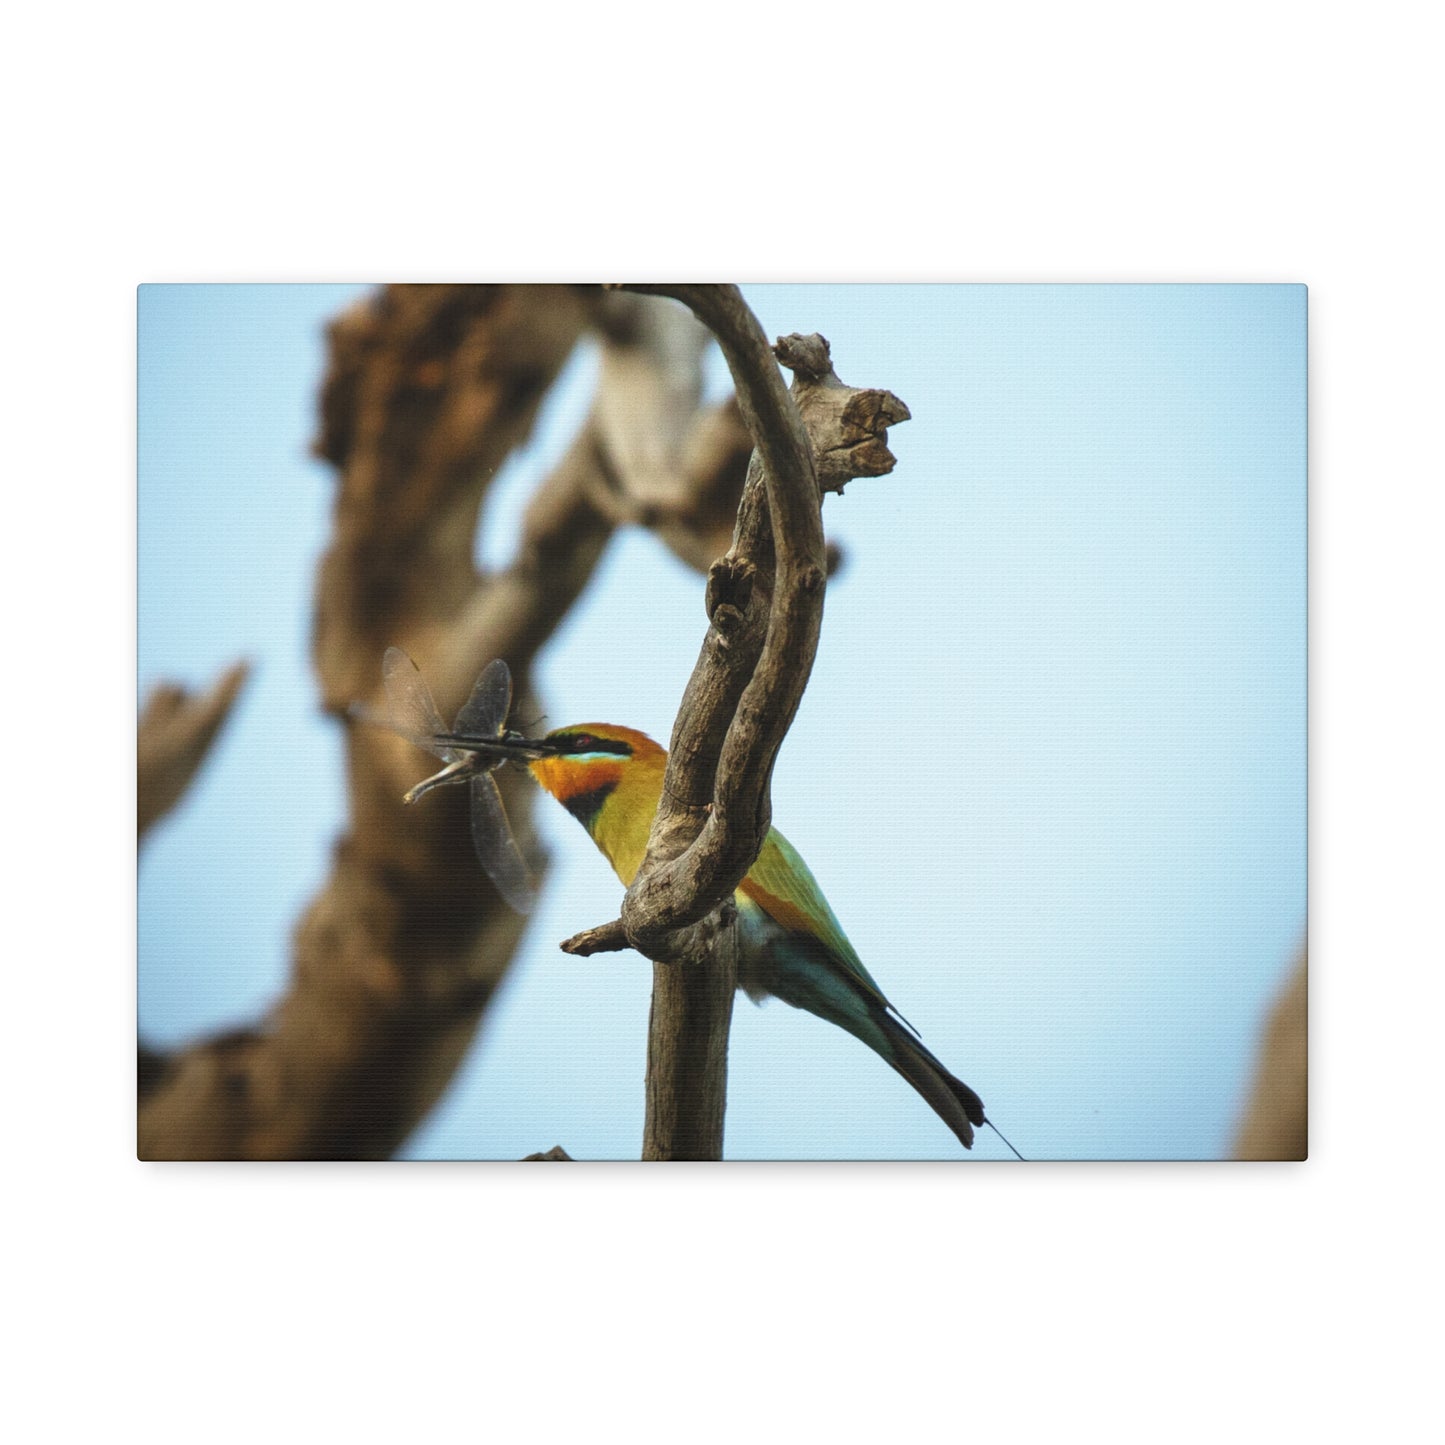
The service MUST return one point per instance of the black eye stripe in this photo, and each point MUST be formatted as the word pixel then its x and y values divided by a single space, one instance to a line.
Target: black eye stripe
pixel 588 743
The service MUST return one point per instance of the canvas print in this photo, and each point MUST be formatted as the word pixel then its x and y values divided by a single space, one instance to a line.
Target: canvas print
pixel 699 722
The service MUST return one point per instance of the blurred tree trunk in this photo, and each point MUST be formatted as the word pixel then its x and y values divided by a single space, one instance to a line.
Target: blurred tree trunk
pixel 428 391
pixel 1276 1122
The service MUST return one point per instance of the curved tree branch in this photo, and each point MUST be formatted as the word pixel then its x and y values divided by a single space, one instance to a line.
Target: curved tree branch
pixel 736 710
pixel 765 603
pixel 174 737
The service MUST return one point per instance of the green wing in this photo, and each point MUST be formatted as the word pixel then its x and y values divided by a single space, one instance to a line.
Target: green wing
pixel 783 886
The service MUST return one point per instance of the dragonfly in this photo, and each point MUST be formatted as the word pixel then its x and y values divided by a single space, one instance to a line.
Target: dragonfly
pixel 472 749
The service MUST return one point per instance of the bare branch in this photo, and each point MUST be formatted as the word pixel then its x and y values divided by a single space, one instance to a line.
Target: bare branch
pixel 694 516
pixel 1276 1123
pixel 765 605
pixel 174 737
pixel 430 390
pixel 687 1043
pixel 609 938
pixel 648 395
pixel 736 712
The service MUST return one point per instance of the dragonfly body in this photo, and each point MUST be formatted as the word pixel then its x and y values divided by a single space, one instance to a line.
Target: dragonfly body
pixel 412 714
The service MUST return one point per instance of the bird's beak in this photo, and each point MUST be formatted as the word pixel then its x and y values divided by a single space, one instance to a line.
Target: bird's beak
pixel 511 747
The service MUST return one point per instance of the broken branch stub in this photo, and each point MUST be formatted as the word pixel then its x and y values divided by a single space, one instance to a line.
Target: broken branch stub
pixel 848 426
pixel 174 736
pixel 722 752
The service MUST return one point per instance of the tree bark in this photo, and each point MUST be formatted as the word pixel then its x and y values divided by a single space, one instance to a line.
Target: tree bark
pixel 765 606
pixel 429 389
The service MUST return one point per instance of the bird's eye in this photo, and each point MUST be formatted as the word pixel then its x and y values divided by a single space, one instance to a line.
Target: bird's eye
pixel 586 742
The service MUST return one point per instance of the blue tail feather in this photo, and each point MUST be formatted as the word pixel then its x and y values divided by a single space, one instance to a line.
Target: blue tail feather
pixel 799 970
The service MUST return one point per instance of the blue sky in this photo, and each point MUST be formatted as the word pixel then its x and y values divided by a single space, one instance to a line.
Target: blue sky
pixel 1050 768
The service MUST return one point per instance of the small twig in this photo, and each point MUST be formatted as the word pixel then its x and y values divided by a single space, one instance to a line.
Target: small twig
pixel 174 737
pixel 608 938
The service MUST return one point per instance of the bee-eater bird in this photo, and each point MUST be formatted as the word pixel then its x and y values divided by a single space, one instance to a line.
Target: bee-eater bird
pixel 791 945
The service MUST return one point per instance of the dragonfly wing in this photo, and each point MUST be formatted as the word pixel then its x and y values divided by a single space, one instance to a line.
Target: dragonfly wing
pixel 497 848
pixel 484 713
pixel 411 711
